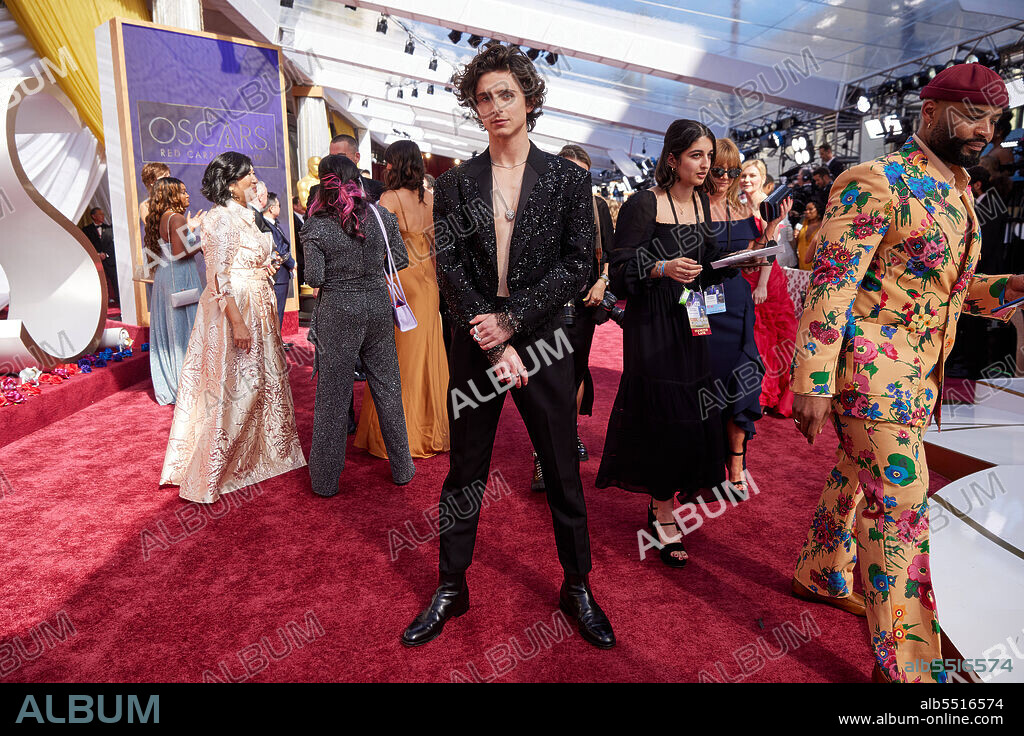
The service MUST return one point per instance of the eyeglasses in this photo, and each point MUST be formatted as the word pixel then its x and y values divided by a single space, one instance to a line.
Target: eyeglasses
pixel 719 171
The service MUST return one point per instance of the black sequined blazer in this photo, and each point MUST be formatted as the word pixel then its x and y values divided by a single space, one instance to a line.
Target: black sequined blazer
pixel 552 241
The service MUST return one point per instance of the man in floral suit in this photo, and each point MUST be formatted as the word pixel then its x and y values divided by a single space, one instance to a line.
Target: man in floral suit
pixel 893 270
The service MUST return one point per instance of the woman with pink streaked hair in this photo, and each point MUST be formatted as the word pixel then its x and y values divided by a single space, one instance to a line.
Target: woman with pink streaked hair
pixel 346 257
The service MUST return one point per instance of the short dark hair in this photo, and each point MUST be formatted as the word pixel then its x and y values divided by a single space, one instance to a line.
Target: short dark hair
pixel 980 173
pixel 93 211
pixel 272 199
pixel 575 153
pixel 347 139
pixel 223 171
pixel 825 147
pixel 295 199
pixel 1003 125
pixel 496 57
pixel 407 169
pixel 682 134
pixel 821 171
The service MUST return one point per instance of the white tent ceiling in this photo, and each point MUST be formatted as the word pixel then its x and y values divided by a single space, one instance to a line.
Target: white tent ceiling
pixel 625 68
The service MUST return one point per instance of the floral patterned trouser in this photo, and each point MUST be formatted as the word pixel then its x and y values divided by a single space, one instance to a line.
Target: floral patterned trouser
pixel 878 494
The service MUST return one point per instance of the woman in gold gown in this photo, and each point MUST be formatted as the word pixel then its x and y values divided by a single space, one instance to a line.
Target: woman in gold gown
pixel 234 421
pixel 421 355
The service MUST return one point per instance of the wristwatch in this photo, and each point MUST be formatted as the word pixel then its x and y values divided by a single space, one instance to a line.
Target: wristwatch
pixel 605 279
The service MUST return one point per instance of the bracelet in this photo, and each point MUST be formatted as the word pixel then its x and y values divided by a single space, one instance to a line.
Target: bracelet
pixel 605 279
pixel 662 271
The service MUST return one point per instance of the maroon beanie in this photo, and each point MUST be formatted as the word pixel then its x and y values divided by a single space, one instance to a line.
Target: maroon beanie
pixel 968 83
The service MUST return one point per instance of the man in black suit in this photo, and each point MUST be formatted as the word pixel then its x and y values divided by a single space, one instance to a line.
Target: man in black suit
pixel 822 186
pixel 101 235
pixel 828 160
pixel 514 235
pixel 298 217
pixel 283 251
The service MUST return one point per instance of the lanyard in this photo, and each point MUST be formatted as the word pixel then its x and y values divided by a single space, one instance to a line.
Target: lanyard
pixel 696 214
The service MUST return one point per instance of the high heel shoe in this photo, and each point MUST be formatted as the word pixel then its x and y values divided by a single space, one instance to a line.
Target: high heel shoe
pixel 667 548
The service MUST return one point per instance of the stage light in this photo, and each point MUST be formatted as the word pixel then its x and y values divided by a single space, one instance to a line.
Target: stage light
pixel 475 40
pixel 532 54
pixel 909 82
pixel 410 47
pixel 448 89
pixel 775 140
pixel 366 102
pixel 932 71
pixel 773 127
pixel 800 143
pixel 426 155
pixel 455 36
pixel 401 94
pixel 458 161
pixel 415 92
pixel 382 25
pixel 430 89
pixel 863 104
pixel 432 66
pixel 551 58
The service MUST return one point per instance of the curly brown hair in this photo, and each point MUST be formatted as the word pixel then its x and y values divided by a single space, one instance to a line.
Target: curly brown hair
pixel 168 194
pixel 496 57
pixel 407 169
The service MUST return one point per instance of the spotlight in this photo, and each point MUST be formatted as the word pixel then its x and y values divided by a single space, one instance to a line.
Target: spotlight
pixel 475 40
pixel 366 102
pixel 933 70
pixel 415 91
pixel 909 82
pixel 972 58
pixel 410 47
pixel 800 143
pixel 863 104
pixel 532 54
pixel 458 161
pixel 773 127
pixel 382 25
pixel 432 66
pixel 401 94
pixel 426 155
pixel 455 36
pixel 551 58
pixel 951 62
pixel 430 89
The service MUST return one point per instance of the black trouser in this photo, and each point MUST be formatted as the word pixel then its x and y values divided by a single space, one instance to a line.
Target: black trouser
pixel 547 405
pixel 110 272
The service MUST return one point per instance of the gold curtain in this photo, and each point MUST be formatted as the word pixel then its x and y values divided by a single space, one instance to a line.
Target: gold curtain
pixel 62 31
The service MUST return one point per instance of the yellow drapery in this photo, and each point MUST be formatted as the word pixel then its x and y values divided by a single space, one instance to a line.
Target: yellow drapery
pixel 62 31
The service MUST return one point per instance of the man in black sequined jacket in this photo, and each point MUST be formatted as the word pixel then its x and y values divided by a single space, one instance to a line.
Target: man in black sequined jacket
pixel 514 239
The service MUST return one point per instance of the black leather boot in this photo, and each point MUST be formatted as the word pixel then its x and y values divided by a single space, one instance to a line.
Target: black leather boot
pixel 577 602
pixel 451 599
pixel 537 484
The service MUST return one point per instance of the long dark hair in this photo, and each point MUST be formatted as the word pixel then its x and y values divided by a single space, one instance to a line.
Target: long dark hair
pixel 682 134
pixel 339 194
pixel 223 171
pixel 407 169
pixel 168 193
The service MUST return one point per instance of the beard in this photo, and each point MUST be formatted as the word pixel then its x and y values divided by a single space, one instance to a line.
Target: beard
pixel 952 150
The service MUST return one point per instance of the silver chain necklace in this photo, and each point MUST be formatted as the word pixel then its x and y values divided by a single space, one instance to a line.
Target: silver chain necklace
pixel 510 212
pixel 502 166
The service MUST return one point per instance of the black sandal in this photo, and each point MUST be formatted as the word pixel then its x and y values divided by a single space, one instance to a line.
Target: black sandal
pixel 667 548
pixel 737 490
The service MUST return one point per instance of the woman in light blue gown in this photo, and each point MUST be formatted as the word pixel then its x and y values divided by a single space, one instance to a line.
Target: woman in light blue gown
pixel 170 255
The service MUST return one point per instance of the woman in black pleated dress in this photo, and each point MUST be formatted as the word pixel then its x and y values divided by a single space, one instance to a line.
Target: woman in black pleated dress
pixel 665 437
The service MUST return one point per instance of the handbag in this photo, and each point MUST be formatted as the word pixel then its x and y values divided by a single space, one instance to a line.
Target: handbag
pixel 405 320
pixel 184 297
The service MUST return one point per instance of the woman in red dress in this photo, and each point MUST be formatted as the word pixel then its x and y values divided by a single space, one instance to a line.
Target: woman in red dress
pixel 775 317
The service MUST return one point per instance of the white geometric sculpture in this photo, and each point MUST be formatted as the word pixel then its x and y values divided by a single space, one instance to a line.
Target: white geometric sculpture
pixel 58 293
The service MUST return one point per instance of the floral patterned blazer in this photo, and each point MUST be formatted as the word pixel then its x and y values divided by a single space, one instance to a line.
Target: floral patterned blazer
pixel 893 270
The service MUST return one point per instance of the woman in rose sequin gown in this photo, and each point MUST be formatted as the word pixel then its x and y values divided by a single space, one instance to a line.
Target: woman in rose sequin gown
pixel 234 422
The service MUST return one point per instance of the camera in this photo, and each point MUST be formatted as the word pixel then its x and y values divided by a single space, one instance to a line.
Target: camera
pixel 607 310
pixel 772 204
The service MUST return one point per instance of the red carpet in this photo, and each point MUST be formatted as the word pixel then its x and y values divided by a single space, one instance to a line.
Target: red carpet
pixel 82 511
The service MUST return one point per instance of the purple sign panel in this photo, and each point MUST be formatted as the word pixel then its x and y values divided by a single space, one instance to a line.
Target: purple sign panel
pixel 186 134
pixel 193 97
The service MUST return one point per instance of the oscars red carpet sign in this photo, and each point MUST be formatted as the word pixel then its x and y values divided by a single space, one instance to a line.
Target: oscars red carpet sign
pixel 181 98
